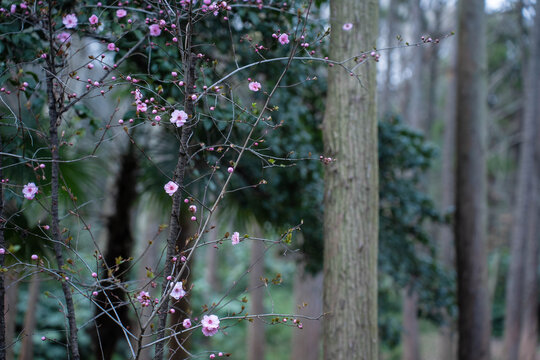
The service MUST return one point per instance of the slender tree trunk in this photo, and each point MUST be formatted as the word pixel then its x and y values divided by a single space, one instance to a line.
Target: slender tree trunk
pixel 470 223
pixel 387 105
pixel 54 121
pixel 255 336
pixel 351 189
pixel 11 298
pixel 308 292
pixel 410 334
pixel 119 244
pixel 27 345
pixel 414 115
pixel 529 321
pixel 446 232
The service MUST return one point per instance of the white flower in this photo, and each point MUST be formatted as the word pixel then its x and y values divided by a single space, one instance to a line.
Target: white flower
pixel 177 291
pixel 179 117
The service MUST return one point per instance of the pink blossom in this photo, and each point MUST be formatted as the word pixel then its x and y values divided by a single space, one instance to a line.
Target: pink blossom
pixel 186 323
pixel 170 188
pixel 144 298
pixel 138 94
pixel 142 107
pixel 34 257
pixel 2 251
pixel 193 208
pixel 283 39
pixel 155 30
pixel 120 13
pixel 177 291
pixel 64 37
pixel 70 21
pixel 179 117
pixel 93 19
pixel 254 86
pixel 111 47
pixel 210 325
pixel 230 169
pixel 30 190
pixel 347 26
pixel 235 238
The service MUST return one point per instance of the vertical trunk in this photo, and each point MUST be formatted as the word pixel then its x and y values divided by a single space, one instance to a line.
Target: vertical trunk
pixel 470 223
pixel 255 337
pixel 351 189
pixel 12 291
pixel 446 233
pixel 410 335
pixel 27 345
pixel 212 259
pixel 386 103
pixel 119 244
pixel 308 289
pixel 414 115
pixel 529 326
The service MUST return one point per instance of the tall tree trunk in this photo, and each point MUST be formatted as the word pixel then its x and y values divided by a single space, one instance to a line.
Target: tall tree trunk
pixel 448 174
pixel 387 105
pixel 119 244
pixel 27 345
pixel 414 114
pixel 529 327
pixel 410 334
pixel 351 216
pixel 470 223
pixel 308 290
pixel 11 299
pixel 255 337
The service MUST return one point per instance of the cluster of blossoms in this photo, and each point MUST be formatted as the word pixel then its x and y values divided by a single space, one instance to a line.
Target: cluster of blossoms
pixel 326 160
pixel 30 190
pixel 144 298
pixel 210 325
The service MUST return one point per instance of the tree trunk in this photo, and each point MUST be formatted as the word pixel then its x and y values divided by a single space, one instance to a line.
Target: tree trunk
pixel 529 325
pixel 387 105
pixel 446 232
pixel 3 342
pixel 414 115
pixel 470 222
pixel 27 345
pixel 410 334
pixel 119 244
pixel 308 290
pixel 12 294
pixel 351 189
pixel 255 336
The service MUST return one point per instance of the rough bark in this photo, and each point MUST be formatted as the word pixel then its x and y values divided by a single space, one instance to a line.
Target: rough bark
pixel 529 325
pixel 255 337
pixel 119 244
pixel 27 345
pixel 351 190
pixel 308 292
pixel 470 222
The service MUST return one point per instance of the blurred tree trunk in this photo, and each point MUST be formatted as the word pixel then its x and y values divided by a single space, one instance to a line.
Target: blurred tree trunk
pixel 27 345
pixel 470 222
pixel 308 290
pixel 12 292
pixel 3 340
pixel 387 105
pixel 530 144
pixel 446 233
pixel 414 110
pixel 119 244
pixel 351 189
pixel 255 336
pixel 410 335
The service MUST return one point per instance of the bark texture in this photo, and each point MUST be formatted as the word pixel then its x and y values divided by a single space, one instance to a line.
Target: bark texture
pixel 351 189
pixel 470 222
pixel 410 335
